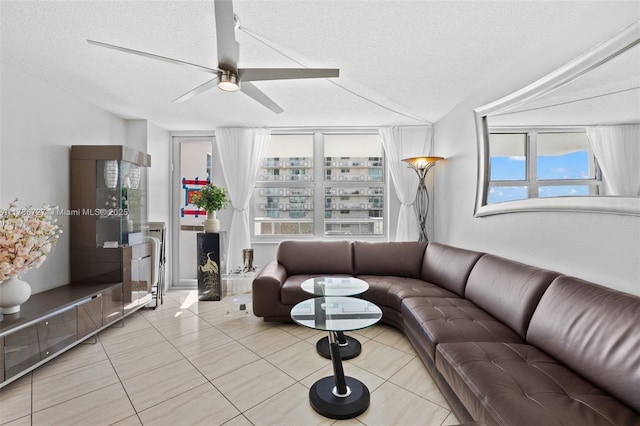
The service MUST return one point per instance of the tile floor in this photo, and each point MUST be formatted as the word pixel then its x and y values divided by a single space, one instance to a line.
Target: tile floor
pixel 190 363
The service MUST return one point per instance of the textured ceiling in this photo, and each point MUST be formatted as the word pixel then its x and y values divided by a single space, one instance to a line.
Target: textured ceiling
pixel 401 62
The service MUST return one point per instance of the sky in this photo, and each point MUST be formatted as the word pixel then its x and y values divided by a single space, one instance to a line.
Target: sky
pixel 574 165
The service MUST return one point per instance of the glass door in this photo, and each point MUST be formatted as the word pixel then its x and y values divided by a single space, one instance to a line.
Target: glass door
pixel 192 160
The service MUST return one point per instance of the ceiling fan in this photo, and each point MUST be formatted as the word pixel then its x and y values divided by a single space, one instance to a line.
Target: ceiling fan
pixel 228 76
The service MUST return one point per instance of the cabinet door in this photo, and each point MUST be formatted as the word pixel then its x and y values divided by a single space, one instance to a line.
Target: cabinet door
pixel 21 350
pixel 112 304
pixel 141 279
pixel 89 316
pixel 57 332
pixel 1 359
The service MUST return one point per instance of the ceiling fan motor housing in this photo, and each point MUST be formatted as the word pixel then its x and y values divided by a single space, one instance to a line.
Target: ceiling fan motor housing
pixel 228 81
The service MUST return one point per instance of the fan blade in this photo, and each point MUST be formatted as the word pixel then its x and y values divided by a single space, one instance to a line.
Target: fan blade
pixel 258 74
pixel 228 47
pixel 252 91
pixel 200 89
pixel 152 56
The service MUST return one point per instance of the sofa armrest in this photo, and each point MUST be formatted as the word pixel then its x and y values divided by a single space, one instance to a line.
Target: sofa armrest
pixel 266 288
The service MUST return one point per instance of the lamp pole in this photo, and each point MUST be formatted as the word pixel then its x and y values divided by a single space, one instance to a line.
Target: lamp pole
pixel 422 165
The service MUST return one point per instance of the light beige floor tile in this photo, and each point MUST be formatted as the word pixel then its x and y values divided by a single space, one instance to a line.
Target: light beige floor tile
pixel 298 360
pixel 396 339
pixel 183 326
pixel 380 359
pixel 200 341
pixel 370 332
pixel 133 322
pixel 289 407
pixel 371 381
pixel 392 405
pixel 349 422
pixel 205 306
pixel 22 421
pixel 132 363
pixel 183 297
pixel 222 359
pixel 101 407
pixel 252 384
pixel 199 406
pixel 129 421
pixel 72 384
pixel 121 343
pixel 268 341
pixel 451 420
pixel 15 401
pixel 304 333
pixel 240 420
pixel 166 315
pixel 78 356
pixel 415 378
pixel 156 386
pixel 241 327
pixel 23 380
pixel 216 313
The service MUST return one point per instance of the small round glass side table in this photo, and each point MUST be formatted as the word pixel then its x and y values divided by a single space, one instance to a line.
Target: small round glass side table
pixel 337 286
pixel 337 397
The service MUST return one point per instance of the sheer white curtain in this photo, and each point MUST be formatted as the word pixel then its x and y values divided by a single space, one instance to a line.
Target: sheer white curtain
pixel 240 151
pixel 404 142
pixel 617 149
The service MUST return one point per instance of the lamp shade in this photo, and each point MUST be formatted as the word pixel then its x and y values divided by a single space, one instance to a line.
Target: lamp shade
pixel 421 162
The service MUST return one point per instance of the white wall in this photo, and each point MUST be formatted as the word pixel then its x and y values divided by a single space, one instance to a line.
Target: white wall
pixel 602 248
pixel 38 125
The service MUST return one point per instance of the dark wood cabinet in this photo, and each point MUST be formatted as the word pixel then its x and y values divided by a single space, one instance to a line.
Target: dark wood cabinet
pixel 54 321
pixel 109 225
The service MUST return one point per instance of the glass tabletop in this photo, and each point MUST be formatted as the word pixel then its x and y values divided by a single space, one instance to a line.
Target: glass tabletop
pixel 336 313
pixel 334 286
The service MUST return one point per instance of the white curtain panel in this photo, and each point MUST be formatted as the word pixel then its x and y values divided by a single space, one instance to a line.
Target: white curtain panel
pixel 404 142
pixel 617 149
pixel 240 151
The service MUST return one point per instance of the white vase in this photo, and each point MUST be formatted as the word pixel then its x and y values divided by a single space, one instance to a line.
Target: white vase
pixel 13 293
pixel 211 223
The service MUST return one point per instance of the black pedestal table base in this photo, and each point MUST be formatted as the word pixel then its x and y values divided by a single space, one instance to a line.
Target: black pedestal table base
pixel 348 350
pixel 326 403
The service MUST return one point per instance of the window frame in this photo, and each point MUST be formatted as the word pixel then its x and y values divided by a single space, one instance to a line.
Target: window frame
pixel 531 181
pixel 318 185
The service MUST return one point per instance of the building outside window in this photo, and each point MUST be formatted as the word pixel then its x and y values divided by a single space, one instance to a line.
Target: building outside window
pixel 341 174
pixel 532 163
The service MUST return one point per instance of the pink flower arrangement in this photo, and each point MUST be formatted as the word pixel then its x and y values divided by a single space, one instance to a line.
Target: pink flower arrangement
pixel 26 236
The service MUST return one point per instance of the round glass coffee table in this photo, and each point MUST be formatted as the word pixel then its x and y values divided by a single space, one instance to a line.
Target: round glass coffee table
pixel 337 397
pixel 337 286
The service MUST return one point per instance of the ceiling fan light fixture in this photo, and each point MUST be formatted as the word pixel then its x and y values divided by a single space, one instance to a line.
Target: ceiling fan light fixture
pixel 228 82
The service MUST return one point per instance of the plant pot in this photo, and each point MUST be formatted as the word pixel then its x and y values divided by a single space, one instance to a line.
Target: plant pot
pixel 211 223
pixel 13 293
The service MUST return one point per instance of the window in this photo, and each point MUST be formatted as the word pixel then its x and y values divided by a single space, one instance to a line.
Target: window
pixel 341 174
pixel 535 164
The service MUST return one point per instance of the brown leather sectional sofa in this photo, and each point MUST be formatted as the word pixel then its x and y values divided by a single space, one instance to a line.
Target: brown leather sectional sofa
pixel 508 343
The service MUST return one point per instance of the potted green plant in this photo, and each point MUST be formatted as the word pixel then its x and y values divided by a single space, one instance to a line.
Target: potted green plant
pixel 211 198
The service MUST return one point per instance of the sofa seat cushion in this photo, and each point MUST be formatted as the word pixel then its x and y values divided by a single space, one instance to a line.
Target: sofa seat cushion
pixel 517 384
pixel 451 319
pixel 291 293
pixel 390 290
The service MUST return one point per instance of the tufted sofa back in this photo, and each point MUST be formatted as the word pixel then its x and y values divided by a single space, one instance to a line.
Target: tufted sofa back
pixel 449 267
pixel 508 290
pixel 316 257
pixel 593 330
pixel 399 259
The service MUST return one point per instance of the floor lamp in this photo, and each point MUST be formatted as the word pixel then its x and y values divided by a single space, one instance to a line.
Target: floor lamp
pixel 422 165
